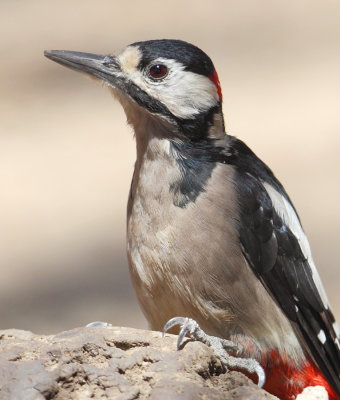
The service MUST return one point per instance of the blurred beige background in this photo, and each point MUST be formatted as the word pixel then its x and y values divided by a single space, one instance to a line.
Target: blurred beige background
pixel 66 154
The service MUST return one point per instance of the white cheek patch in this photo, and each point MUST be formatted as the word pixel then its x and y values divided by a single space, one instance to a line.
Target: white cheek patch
pixel 287 213
pixel 184 93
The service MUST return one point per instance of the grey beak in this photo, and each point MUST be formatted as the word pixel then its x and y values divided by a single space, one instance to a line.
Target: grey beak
pixel 102 67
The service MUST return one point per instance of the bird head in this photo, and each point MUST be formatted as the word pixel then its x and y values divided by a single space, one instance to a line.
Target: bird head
pixel 170 82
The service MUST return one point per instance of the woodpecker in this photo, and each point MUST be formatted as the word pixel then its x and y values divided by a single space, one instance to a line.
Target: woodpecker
pixel 212 235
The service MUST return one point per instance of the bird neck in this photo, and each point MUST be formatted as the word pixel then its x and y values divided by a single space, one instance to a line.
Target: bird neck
pixel 184 163
pixel 203 132
pixel 205 126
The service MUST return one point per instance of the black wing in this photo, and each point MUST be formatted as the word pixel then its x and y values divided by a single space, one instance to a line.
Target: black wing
pixel 275 255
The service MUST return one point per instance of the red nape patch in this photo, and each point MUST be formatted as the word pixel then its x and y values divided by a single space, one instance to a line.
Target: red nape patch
pixel 286 381
pixel 214 79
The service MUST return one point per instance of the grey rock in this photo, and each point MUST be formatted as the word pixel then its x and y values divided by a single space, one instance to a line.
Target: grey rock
pixel 114 363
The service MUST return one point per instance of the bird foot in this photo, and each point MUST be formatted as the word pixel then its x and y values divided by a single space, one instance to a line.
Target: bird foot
pixel 220 346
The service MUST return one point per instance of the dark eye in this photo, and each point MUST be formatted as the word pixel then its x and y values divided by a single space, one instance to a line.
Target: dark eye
pixel 158 71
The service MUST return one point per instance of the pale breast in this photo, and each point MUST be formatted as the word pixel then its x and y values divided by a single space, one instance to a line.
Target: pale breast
pixel 187 261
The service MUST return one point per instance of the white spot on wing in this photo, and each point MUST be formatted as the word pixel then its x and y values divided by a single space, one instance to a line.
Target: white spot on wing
pixel 322 336
pixel 336 328
pixel 287 213
pixel 336 341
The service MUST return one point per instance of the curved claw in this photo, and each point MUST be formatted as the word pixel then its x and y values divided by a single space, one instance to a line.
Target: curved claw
pixel 173 322
pixel 183 322
pixel 261 376
pixel 184 330
pixel 98 324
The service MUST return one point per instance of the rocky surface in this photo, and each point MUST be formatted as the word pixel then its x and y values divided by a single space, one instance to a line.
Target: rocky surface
pixel 114 363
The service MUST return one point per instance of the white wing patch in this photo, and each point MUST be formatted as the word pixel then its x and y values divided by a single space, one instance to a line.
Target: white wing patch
pixel 287 213
pixel 336 341
pixel 336 329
